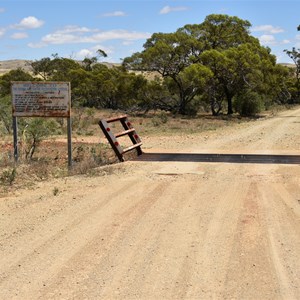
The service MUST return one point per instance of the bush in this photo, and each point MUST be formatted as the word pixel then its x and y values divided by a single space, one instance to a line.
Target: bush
pixel 249 103
pixel 8 176
pixel 33 131
pixel 5 115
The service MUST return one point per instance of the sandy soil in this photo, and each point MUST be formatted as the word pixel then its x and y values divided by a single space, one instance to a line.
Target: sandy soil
pixel 163 230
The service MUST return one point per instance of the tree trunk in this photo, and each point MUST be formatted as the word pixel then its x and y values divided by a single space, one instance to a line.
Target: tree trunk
pixel 229 97
pixel 229 110
pixel 215 106
pixel 182 106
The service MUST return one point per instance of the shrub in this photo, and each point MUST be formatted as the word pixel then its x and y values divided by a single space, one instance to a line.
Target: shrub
pixel 249 103
pixel 8 176
pixel 33 131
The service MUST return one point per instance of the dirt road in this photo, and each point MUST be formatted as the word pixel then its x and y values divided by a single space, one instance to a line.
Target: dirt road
pixel 163 230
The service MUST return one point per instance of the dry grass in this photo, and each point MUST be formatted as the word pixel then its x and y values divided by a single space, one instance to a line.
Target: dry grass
pixel 91 150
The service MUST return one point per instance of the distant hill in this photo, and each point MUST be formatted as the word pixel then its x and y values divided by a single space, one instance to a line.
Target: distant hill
pixel 8 65
pixel 287 65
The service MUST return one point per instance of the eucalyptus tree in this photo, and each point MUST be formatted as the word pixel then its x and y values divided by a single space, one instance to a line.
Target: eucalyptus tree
pixel 294 54
pixel 218 31
pixel 179 55
pixel 13 75
pixel 42 68
pixel 171 55
pixel 230 68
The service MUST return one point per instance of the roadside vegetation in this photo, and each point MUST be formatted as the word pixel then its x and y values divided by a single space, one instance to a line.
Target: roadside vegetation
pixel 199 78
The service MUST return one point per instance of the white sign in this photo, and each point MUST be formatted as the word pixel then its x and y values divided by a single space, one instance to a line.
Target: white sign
pixel 41 99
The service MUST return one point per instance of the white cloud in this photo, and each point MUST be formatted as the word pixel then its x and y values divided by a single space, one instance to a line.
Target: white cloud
pixel 2 31
pixel 127 43
pixel 267 29
pixel 83 53
pixel 62 38
pixel 36 45
pixel 107 50
pixel 267 39
pixel 77 35
pixel 29 23
pixel 117 13
pixel 167 9
pixel 286 42
pixel 19 35
pixel 119 34
pixel 91 52
pixel 75 29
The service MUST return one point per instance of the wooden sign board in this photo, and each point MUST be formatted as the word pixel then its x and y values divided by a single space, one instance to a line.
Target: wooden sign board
pixel 41 99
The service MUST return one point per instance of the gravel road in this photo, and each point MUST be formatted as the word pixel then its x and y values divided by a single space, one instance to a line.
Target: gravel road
pixel 163 229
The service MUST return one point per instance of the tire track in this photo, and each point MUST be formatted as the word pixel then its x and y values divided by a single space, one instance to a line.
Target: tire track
pixel 57 229
pixel 284 240
pixel 91 241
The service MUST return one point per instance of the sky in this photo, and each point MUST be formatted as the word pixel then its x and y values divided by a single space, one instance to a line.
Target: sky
pixel 31 30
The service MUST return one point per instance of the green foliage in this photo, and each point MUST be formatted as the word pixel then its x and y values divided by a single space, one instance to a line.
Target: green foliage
pixel 294 54
pixel 82 119
pixel 43 68
pixel 33 131
pixel 8 176
pixel 13 75
pixel 5 114
pixel 215 59
pixel 248 103
pixel 206 64
pixel 159 119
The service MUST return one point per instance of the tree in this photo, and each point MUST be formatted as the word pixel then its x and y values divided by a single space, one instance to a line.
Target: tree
pixel 55 68
pixel 169 54
pixel 43 67
pixel 5 113
pixel 174 55
pixel 294 54
pixel 88 62
pixel 218 31
pixel 154 94
pixel 33 131
pixel 101 53
pixel 13 75
pixel 62 67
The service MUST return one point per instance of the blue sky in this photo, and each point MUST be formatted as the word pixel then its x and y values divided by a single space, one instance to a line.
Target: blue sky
pixel 78 28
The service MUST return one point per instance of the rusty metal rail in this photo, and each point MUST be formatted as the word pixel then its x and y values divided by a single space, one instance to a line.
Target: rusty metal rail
pixel 128 130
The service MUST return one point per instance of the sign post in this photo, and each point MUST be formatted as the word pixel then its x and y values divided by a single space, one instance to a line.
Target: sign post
pixel 15 130
pixel 41 99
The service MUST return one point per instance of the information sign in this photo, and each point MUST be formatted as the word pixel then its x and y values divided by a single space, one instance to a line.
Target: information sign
pixel 41 99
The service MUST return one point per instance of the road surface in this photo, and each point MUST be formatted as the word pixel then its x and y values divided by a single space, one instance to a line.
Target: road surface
pixel 164 229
